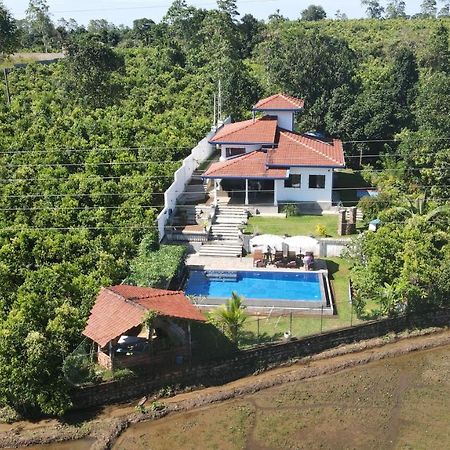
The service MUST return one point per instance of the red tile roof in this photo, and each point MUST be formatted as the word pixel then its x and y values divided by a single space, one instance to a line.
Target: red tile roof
pixel 294 149
pixel 250 165
pixel 259 131
pixel 280 102
pixel 120 308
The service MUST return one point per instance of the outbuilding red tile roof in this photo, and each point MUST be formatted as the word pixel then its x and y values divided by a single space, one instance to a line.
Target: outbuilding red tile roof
pixel 117 309
pixel 280 102
pixel 250 165
pixel 295 149
pixel 258 131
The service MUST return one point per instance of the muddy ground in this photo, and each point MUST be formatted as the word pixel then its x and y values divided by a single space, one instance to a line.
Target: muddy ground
pixel 364 395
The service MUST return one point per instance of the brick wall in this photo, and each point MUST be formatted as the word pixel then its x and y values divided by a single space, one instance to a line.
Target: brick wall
pixel 246 362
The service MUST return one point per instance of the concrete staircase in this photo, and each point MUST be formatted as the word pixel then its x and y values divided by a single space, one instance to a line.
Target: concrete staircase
pixel 225 232
pixel 195 191
pixel 221 248
pixel 231 215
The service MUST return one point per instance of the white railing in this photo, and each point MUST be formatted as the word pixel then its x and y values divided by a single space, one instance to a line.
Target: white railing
pixel 200 153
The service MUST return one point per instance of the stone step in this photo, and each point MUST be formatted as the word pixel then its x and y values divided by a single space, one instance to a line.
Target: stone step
pixel 231 220
pixel 221 248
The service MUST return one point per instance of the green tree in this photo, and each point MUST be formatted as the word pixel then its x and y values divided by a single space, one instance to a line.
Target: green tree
pixel 445 10
pixel 41 25
pixel 91 65
pixel 396 9
pixel 313 70
pixel 8 32
pixel 313 13
pixel 252 34
pixel 142 29
pixel 231 317
pixel 428 8
pixel 373 9
pixel 437 56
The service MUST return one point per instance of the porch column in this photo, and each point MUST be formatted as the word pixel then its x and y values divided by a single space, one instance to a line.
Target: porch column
pixel 275 200
pixel 246 191
pixel 215 192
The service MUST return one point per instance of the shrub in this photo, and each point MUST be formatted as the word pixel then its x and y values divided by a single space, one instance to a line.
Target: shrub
pixel 123 374
pixel 8 415
pixel 157 269
pixel 290 210
pixel 321 230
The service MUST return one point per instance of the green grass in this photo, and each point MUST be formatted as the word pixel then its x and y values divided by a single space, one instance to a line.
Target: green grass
pixel 294 225
pixel 272 329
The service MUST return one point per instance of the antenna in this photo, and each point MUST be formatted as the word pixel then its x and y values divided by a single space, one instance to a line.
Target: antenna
pixel 215 106
pixel 219 103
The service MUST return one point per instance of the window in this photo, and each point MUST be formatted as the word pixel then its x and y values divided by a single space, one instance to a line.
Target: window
pixel 230 151
pixel 317 181
pixel 294 181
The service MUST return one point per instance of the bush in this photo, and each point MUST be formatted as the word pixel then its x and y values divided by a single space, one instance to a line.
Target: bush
pixel 321 230
pixel 8 415
pixel 157 269
pixel 290 210
pixel 123 374
pixel 372 206
pixel 79 369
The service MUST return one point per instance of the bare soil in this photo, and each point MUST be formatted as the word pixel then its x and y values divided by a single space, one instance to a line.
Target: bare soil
pixel 324 401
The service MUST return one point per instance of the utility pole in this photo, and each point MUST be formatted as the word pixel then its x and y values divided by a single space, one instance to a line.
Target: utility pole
pixel 8 95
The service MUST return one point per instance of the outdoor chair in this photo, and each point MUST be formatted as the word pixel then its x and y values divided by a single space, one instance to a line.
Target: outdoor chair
pixel 292 256
pixel 258 256
pixel 278 256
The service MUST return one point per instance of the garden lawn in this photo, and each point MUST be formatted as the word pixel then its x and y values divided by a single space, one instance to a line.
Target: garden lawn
pixel 303 225
pixel 273 328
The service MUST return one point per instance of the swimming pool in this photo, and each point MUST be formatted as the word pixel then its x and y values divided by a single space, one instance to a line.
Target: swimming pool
pixel 263 285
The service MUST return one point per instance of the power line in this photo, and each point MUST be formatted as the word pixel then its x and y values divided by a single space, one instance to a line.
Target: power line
pixel 120 8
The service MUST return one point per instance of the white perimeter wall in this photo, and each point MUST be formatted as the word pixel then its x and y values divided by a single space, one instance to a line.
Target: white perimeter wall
pixel 304 193
pixel 200 153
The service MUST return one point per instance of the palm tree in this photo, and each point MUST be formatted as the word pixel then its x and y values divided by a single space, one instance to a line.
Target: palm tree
pixel 417 209
pixel 231 317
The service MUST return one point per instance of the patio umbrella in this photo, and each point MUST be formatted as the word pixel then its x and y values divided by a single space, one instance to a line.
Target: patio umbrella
pixel 302 244
pixel 263 241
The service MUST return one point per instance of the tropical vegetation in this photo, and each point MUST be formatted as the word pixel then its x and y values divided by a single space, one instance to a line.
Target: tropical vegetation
pixel 89 144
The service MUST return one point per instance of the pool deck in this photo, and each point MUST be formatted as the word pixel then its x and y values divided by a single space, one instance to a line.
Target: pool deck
pixel 196 262
pixel 243 263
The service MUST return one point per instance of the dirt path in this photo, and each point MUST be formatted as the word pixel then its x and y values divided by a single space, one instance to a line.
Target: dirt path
pixel 104 428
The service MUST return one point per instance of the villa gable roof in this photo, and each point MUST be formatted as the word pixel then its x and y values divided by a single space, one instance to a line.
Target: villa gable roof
pixel 254 131
pixel 280 102
pixel 250 165
pixel 117 309
pixel 295 149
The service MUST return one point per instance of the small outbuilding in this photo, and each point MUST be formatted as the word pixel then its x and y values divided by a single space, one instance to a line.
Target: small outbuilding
pixel 139 326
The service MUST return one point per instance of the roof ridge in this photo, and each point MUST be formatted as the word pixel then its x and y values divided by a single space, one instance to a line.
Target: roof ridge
pixel 125 299
pixel 307 145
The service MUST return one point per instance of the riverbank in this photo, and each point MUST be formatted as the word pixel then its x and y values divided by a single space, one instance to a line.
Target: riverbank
pixel 101 428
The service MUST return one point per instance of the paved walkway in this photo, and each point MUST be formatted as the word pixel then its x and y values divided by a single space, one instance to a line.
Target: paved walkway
pixel 243 263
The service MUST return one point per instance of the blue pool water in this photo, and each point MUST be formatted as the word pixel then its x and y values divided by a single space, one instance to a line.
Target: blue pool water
pixel 293 286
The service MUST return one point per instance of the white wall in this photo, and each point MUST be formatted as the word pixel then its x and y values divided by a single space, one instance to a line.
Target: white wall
pixel 304 193
pixel 200 153
pixel 285 119
pixel 248 148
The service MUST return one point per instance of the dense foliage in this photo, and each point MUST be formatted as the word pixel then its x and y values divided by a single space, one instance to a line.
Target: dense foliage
pixel 156 268
pixel 89 144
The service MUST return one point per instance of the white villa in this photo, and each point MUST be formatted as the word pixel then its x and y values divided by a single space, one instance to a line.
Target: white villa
pixel 264 161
